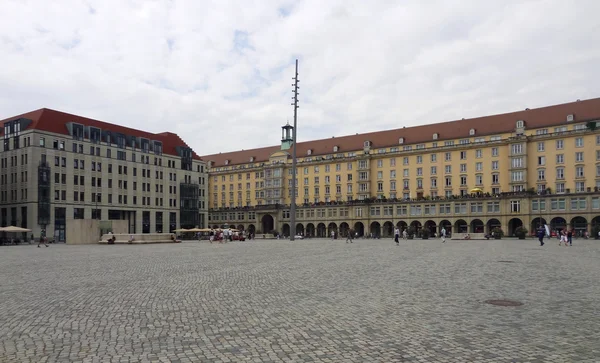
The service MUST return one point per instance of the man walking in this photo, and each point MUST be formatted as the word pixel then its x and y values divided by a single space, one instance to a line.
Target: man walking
pixel 43 239
pixel 397 236
pixel 349 236
pixel 443 235
pixel 541 233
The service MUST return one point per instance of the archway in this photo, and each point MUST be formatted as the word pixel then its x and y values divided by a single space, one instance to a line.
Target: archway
pixel 447 226
pixel 359 229
pixel 285 230
pixel 477 226
pixel 240 227
pixel 431 227
pixel 402 226
pixel 493 223
pixel 332 227
pixel 344 228
pixel 579 224
pixel 388 229
pixel 536 224
pixel 461 226
pixel 321 230
pixel 268 224
pixel 558 224
pixel 299 229
pixel 310 230
pixel 251 229
pixel 513 224
pixel 375 229
pixel 595 222
pixel 416 225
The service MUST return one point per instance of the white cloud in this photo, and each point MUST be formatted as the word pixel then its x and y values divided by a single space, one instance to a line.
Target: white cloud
pixel 174 65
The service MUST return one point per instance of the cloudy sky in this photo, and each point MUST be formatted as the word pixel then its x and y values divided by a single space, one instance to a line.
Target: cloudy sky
pixel 219 72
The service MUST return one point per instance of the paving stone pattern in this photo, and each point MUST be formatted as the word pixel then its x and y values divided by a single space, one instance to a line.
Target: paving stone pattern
pixel 306 301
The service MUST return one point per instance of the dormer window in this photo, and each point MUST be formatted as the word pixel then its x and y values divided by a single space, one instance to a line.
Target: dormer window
pixel 472 132
pixel 367 143
pixel 226 162
pixel 252 159
pixel 335 149
pixel 520 124
pixel 435 136
pixel 309 152
pixel 401 140
pixel 570 118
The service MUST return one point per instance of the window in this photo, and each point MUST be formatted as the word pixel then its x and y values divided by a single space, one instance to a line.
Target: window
pixel 495 165
pixel 419 159
pixel 558 204
pixel 479 179
pixel 579 172
pixel 463 168
pixel 460 208
pixel 463 155
pixel 493 207
pixel 560 158
pixel 448 169
pixel 542 174
pixel 578 203
pixel 538 205
pixel 477 207
pixel 448 156
pixel 517 149
pixel 433 170
pixel 520 124
pixel 433 158
pixel 579 142
pixel 478 166
pixel 579 156
pixel 540 146
pixel 560 144
pixel 515 206
pixel 517 176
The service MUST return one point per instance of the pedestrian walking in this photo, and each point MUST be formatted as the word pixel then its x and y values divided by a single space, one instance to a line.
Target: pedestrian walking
pixel 397 236
pixel 443 233
pixel 43 239
pixel 541 233
pixel 570 237
pixel 349 236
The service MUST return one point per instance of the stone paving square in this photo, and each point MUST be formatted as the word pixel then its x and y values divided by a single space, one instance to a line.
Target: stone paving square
pixel 303 301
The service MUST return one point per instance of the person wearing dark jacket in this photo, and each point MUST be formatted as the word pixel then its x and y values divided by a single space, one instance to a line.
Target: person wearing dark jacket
pixel 541 233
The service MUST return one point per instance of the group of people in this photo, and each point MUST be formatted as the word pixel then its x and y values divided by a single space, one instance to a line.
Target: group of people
pixel 565 236
pixel 222 236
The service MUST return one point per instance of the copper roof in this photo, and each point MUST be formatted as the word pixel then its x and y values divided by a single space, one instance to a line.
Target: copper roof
pixel 54 121
pixel 487 125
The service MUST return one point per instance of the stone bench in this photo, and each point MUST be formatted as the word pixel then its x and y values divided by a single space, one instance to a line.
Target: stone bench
pixel 138 238
pixel 459 236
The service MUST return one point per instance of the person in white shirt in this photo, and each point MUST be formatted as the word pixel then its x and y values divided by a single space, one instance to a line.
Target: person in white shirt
pixel 443 235
pixel 397 236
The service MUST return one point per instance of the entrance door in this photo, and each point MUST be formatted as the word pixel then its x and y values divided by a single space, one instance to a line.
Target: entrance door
pixel 268 224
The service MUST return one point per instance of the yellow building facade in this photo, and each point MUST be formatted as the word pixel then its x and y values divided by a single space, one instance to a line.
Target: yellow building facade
pixel 526 168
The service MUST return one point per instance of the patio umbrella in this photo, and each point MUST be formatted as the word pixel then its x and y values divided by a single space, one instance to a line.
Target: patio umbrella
pixel 14 229
pixel 476 190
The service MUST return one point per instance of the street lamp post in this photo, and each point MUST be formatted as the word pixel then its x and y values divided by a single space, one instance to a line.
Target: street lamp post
pixel 294 174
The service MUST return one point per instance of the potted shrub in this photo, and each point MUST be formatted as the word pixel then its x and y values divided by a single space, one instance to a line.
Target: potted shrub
pixel 410 233
pixel 521 232
pixel 498 233
pixel 425 233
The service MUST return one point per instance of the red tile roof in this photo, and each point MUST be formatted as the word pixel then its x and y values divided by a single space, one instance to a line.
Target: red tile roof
pixel 56 122
pixel 549 116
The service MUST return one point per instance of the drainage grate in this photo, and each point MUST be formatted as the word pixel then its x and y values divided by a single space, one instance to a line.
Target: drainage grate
pixel 503 302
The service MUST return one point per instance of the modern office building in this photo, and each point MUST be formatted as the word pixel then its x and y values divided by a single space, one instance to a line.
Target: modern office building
pixel 471 175
pixel 56 166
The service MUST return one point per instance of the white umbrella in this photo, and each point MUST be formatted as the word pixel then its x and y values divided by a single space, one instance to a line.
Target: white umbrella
pixel 14 229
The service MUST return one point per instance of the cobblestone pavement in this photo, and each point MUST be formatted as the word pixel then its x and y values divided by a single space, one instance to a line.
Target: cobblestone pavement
pixel 306 301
